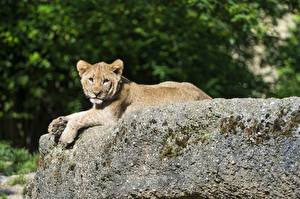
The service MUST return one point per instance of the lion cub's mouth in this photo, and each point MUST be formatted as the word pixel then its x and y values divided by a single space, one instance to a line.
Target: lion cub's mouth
pixel 96 101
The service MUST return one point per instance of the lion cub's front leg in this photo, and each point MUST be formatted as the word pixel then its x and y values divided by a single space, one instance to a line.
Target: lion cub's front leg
pixel 63 126
pixel 83 119
pixel 69 134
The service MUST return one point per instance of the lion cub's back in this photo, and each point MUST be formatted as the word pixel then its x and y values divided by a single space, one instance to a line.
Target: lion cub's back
pixel 167 92
pixel 185 86
pixel 186 89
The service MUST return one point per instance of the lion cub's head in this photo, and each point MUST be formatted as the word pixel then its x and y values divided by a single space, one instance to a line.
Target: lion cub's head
pixel 100 81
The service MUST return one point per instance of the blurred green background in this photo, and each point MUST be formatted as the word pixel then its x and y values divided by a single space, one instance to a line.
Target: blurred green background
pixel 223 47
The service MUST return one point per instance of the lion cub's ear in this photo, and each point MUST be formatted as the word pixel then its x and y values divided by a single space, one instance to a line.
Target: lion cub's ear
pixel 117 66
pixel 82 67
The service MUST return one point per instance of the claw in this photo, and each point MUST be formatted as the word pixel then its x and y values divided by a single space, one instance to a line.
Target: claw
pixel 57 126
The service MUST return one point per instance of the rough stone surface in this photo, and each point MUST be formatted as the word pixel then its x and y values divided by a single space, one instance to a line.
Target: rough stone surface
pixel 237 148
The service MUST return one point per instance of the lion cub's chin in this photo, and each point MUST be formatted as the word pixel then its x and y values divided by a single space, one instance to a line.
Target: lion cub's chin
pixel 96 101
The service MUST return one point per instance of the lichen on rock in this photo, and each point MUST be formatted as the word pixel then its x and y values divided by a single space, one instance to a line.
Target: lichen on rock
pixel 235 148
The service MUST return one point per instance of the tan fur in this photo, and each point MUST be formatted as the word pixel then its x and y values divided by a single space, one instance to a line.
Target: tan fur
pixel 113 96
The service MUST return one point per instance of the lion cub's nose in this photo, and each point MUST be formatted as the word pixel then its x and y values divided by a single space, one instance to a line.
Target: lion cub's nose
pixel 97 93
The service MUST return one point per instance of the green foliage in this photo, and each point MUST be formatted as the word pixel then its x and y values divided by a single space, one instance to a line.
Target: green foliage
pixel 3 196
pixel 16 161
pixel 286 56
pixel 206 42
pixel 288 82
pixel 20 179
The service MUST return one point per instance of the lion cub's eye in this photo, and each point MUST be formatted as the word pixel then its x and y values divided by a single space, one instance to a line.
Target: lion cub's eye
pixel 91 80
pixel 105 81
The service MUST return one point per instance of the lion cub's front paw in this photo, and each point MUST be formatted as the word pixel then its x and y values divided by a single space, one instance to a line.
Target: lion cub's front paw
pixel 68 136
pixel 57 126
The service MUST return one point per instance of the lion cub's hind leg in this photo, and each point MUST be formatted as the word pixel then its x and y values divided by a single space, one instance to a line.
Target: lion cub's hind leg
pixel 57 126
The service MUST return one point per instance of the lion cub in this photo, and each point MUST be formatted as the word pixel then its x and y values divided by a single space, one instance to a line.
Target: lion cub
pixel 113 96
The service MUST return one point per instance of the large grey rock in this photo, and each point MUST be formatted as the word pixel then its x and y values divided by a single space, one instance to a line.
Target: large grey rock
pixel 237 148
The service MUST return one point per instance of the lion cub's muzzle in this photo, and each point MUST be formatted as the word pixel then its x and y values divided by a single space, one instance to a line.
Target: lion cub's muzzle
pixel 96 101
